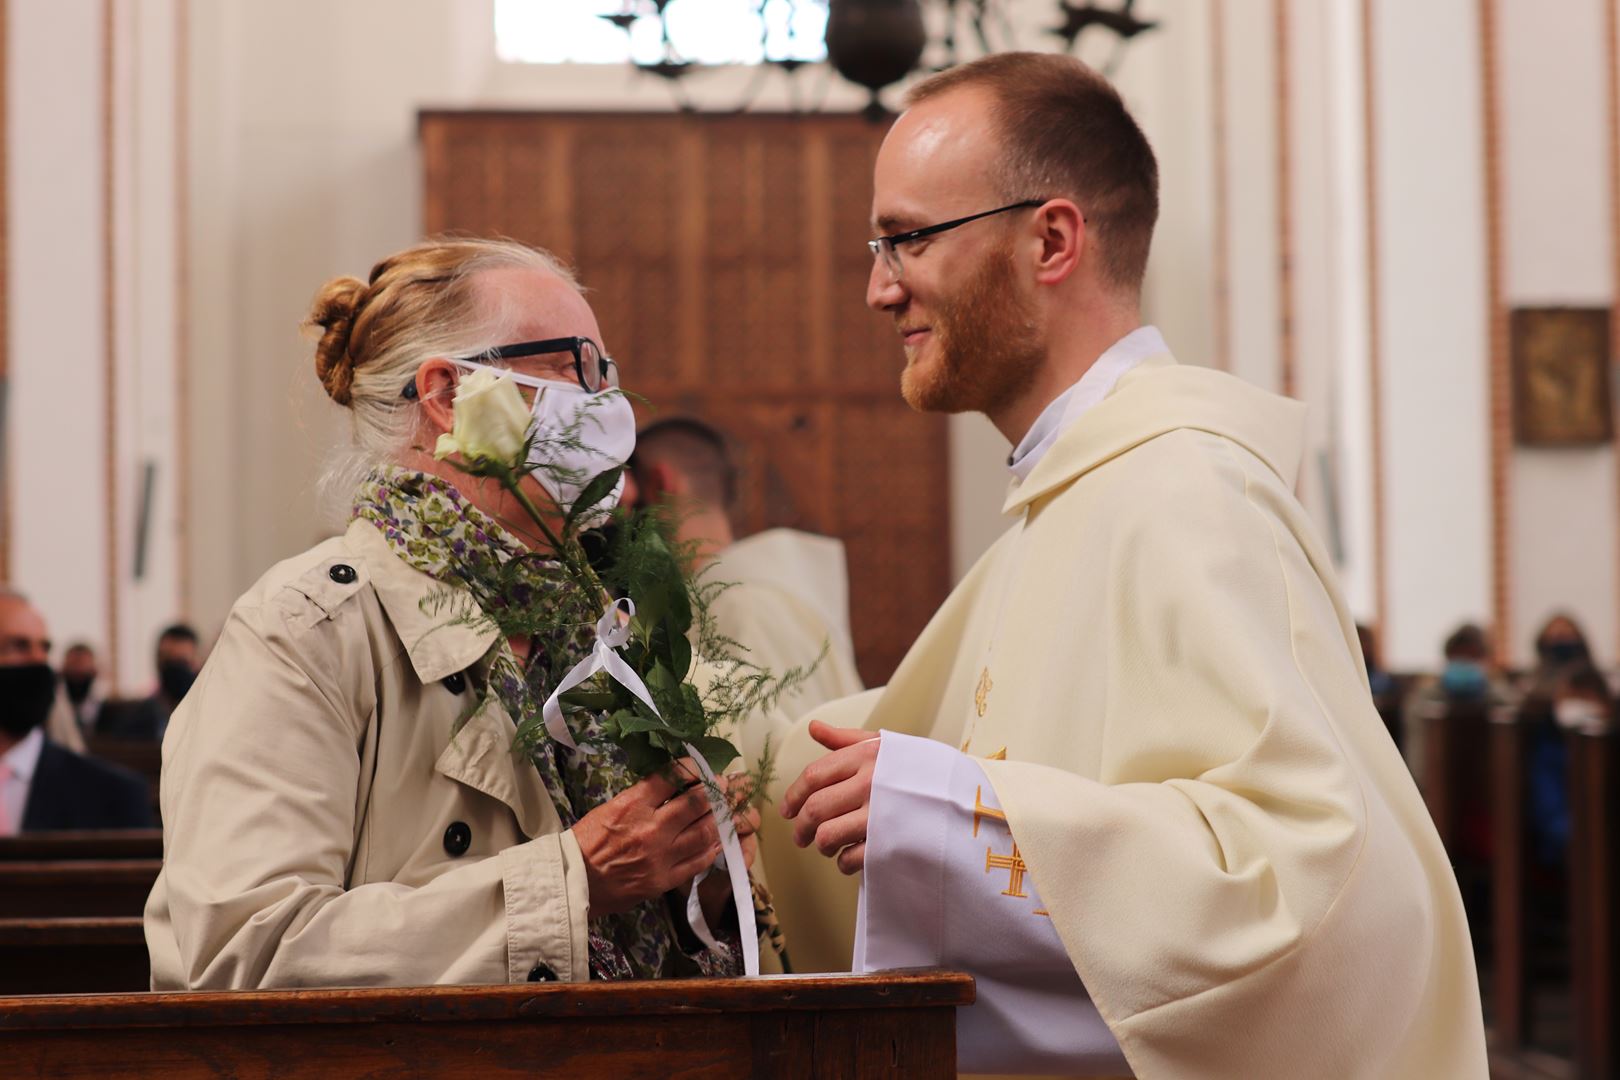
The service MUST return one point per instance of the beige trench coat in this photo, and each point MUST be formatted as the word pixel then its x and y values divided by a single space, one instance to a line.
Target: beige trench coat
pixel 321 825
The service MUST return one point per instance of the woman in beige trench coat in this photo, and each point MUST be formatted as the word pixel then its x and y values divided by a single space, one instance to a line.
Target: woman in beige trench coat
pixel 324 821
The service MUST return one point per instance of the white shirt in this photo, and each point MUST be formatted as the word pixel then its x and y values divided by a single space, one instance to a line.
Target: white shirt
pixel 17 767
pixel 1094 385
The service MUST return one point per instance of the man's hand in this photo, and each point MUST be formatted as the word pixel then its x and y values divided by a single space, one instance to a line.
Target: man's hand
pixel 828 802
pixel 646 840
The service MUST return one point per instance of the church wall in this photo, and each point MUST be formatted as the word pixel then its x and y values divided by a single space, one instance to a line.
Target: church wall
pixel 56 456
pixel 1428 203
pixel 93 290
pixel 1562 538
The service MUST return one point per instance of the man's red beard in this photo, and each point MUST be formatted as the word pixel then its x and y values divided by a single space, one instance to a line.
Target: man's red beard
pixel 985 348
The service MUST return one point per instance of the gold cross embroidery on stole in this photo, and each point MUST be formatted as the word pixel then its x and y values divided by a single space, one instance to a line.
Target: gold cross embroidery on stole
pixel 1014 865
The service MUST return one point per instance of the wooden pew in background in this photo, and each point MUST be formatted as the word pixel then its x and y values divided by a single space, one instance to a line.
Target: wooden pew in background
pixel 100 887
pixel 1594 799
pixel 900 1024
pixel 1456 775
pixel 1510 976
pixel 80 846
pixel 73 956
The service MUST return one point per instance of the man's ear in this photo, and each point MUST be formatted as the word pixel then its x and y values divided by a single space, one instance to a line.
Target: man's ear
pixel 1061 229
pixel 659 481
pixel 435 389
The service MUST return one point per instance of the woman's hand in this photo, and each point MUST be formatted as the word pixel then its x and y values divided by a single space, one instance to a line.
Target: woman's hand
pixel 645 841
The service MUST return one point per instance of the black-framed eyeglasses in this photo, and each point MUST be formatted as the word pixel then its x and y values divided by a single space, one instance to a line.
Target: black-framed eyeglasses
pixel 886 248
pixel 595 370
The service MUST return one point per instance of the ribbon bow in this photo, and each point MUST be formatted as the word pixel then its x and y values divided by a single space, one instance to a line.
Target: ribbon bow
pixel 612 633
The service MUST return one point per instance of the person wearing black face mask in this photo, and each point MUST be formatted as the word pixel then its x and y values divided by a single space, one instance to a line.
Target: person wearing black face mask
pixel 147 719
pixel 42 785
pixel 80 675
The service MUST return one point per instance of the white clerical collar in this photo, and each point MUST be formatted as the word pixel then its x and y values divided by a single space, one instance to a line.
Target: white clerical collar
pixel 1094 385
pixel 23 758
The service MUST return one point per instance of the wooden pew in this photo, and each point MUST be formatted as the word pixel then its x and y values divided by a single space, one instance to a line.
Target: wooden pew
pixel 73 956
pixel 1594 797
pixel 69 846
pixel 1510 976
pixel 1456 767
pixel 900 1024
pixel 103 887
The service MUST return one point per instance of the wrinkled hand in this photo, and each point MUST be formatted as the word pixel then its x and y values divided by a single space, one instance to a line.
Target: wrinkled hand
pixel 646 840
pixel 828 802
pixel 715 890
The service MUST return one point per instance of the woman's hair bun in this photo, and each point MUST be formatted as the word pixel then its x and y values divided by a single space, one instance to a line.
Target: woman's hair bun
pixel 333 312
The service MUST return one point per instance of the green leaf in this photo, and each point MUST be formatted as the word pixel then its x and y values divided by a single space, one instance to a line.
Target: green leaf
pixel 660 679
pixel 599 488
pixel 716 751
pixel 642 757
pixel 680 653
pixel 594 700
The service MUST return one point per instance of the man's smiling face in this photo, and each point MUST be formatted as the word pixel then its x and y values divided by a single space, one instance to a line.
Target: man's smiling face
pixel 966 318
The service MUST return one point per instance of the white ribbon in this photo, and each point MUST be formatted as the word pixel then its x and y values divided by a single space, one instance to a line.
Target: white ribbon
pixel 612 633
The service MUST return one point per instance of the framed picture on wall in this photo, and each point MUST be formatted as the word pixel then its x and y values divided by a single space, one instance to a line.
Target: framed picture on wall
pixel 1561 375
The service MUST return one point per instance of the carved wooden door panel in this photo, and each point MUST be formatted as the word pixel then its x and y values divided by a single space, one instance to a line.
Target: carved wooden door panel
pixel 725 260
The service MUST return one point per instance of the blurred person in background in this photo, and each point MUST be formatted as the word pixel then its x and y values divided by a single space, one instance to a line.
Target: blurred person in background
pixel 178 658
pixel 44 785
pixel 81 684
pixel 1467 676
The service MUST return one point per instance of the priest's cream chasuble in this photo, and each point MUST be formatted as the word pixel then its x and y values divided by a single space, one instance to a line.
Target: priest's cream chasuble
pixel 1161 677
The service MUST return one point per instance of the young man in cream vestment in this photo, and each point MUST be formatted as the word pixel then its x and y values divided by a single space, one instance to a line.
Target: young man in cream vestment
pixel 1131 775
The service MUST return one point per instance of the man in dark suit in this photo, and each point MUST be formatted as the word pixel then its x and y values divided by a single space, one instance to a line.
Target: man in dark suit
pixel 146 719
pixel 43 786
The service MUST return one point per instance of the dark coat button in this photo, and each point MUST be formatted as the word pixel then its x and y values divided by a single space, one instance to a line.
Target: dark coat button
pixel 542 973
pixel 342 573
pixel 457 838
pixel 455 683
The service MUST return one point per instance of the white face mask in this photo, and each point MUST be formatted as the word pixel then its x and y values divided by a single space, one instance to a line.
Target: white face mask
pixel 602 424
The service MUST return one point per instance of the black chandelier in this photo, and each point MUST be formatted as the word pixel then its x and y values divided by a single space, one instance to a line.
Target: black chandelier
pixel 876 43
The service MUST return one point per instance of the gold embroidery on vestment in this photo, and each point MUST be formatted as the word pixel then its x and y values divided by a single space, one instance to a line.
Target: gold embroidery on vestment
pixel 981 811
pixel 999 755
pixel 1015 867
pixel 981 696
pixel 1042 911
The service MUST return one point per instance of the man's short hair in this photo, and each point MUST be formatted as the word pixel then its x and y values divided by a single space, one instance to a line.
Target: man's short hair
pixel 1065 133
pixel 1467 640
pixel 178 632
pixel 697 450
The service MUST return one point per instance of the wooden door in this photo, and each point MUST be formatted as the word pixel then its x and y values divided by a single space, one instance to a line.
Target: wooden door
pixel 725 260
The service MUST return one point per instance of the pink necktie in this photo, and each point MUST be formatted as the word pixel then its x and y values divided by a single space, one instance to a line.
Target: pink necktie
pixel 6 826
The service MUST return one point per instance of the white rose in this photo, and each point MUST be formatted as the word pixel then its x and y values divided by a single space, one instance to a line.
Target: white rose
pixel 492 421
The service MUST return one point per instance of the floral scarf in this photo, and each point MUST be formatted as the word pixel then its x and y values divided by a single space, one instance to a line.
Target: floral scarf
pixel 432 528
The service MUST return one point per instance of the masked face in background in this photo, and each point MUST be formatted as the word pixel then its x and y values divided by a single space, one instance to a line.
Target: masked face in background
pixel 27 692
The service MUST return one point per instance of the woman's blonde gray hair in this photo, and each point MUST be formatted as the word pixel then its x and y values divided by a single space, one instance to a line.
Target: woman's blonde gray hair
pixel 373 336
